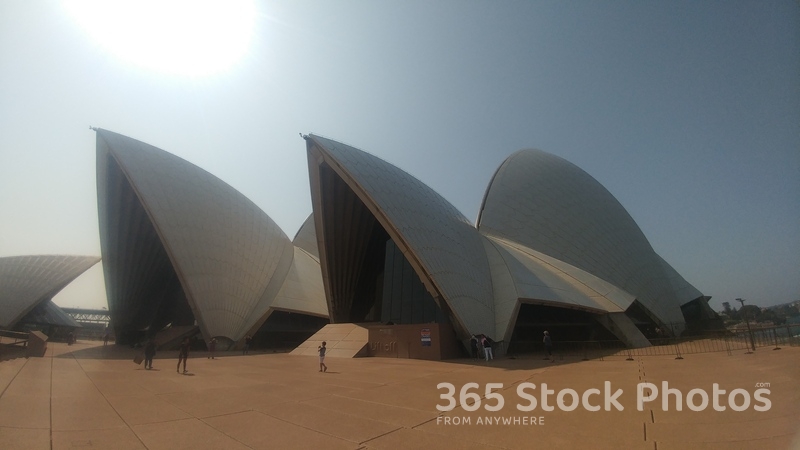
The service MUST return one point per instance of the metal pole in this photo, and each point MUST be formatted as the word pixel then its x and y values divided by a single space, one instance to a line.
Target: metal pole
pixel 678 350
pixel 775 335
pixel 749 331
pixel 727 345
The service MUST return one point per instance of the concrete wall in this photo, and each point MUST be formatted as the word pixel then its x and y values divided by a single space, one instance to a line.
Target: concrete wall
pixel 408 341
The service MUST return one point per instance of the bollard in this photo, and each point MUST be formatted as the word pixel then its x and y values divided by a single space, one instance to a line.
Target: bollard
pixel 630 358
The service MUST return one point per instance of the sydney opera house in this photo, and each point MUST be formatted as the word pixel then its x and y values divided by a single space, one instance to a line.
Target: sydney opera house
pixel 28 285
pixel 552 249
pixel 181 248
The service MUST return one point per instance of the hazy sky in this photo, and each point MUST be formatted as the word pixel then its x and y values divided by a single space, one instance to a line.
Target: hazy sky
pixel 688 112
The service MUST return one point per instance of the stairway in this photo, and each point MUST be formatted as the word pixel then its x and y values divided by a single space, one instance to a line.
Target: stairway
pixel 343 340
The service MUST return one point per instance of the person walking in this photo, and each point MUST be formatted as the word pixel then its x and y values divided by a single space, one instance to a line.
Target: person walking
pixel 247 341
pixel 322 349
pixel 149 353
pixel 105 339
pixel 183 355
pixel 212 348
pixel 548 345
pixel 487 348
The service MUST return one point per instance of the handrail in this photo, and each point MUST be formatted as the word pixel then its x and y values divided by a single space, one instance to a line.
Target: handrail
pixel 14 334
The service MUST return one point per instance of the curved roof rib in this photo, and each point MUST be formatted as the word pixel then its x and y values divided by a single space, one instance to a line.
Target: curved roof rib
pixel 441 244
pixel 548 204
pixel 28 281
pixel 161 215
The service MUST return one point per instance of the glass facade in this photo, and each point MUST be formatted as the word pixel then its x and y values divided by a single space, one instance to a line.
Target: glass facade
pixel 405 299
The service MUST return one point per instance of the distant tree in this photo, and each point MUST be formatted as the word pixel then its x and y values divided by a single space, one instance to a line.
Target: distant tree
pixel 751 312
pixel 769 315
pixel 783 312
pixel 790 310
pixel 726 307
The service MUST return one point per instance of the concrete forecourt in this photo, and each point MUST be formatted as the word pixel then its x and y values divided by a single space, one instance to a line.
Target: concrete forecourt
pixel 89 396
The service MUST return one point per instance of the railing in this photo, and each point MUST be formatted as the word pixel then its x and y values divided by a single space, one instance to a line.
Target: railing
pixel 774 337
pixel 13 338
pixel 92 334
pixel 97 316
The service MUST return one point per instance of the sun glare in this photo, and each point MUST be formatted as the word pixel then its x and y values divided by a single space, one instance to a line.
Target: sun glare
pixel 178 37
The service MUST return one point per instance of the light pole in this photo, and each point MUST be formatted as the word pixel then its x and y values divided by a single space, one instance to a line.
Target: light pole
pixel 749 331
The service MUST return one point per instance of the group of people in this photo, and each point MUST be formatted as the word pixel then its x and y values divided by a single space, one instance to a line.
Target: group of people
pixel 183 352
pixel 482 341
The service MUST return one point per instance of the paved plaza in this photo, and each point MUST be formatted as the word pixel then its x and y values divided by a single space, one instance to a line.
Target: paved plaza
pixel 86 396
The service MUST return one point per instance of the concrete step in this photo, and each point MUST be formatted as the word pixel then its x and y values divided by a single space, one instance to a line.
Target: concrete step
pixel 343 340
